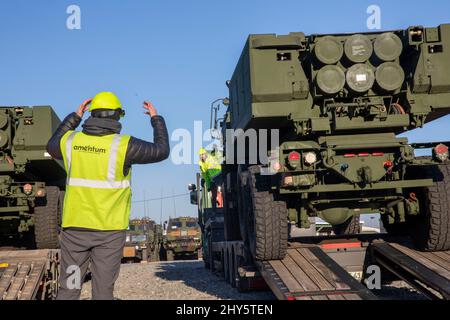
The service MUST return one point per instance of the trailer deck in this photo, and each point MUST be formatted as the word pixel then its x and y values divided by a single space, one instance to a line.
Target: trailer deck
pixel 428 272
pixel 308 273
pixel 28 275
pixel 334 268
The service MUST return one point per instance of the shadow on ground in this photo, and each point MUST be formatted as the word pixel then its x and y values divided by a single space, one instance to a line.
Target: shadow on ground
pixel 193 274
pixel 398 291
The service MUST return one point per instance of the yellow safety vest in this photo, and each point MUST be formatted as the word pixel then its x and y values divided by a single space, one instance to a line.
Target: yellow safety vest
pixel 213 162
pixel 98 195
pixel 210 168
pixel 203 166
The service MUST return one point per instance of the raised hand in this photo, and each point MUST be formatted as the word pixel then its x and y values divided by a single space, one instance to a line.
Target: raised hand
pixel 150 109
pixel 84 107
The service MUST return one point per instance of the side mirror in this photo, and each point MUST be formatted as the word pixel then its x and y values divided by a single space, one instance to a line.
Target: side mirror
pixel 194 197
pixel 192 187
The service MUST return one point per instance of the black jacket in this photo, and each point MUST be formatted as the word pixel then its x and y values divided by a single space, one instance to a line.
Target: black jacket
pixel 138 152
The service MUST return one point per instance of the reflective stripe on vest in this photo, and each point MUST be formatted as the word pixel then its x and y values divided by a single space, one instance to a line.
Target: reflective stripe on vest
pixel 75 182
pixel 110 183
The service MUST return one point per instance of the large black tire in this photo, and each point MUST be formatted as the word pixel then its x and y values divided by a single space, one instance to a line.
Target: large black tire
pixel 225 265
pixel 242 202
pixel 267 219
pixel 232 269
pixel 431 229
pixel 206 263
pixel 208 254
pixel 351 226
pixel 47 216
pixel 62 194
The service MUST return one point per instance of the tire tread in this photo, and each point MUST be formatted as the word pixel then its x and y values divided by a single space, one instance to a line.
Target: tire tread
pixel 46 219
pixel 271 227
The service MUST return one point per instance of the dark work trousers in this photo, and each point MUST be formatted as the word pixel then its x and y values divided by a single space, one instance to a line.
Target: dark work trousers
pixel 102 249
pixel 214 195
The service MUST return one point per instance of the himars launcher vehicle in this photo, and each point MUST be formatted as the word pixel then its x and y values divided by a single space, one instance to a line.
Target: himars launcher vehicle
pixel 143 241
pixel 338 102
pixel 31 182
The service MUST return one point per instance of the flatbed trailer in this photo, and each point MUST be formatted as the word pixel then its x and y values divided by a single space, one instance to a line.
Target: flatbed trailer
pixel 428 272
pixel 334 268
pixel 29 274
pixel 306 273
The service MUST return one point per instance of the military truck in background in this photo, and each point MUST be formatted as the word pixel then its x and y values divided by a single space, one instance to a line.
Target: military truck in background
pixel 336 102
pixel 182 238
pixel 31 182
pixel 143 241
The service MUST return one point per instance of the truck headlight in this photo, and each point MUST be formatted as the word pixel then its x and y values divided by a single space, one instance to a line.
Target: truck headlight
pixel 310 158
pixel 28 189
pixel 40 193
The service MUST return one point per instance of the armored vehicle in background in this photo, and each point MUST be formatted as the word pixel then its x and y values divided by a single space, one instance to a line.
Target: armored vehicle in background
pixel 182 238
pixel 31 182
pixel 143 241
pixel 335 104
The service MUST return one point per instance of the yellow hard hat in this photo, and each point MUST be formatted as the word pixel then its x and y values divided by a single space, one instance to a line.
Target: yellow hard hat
pixel 105 100
pixel 202 151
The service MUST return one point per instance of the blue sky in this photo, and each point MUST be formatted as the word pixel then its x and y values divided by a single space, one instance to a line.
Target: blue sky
pixel 178 54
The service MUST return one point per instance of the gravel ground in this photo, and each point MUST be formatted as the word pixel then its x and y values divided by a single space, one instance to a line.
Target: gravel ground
pixel 189 280
pixel 178 280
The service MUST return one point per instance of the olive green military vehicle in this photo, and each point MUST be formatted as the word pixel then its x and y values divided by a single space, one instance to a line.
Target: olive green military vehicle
pixel 182 238
pixel 143 241
pixel 31 182
pixel 336 104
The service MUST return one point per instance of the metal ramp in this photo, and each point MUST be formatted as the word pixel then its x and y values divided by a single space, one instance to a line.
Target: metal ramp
pixel 308 273
pixel 428 272
pixel 28 275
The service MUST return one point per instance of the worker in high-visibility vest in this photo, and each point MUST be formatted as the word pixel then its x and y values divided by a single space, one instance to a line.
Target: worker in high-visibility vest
pixel 211 165
pixel 97 201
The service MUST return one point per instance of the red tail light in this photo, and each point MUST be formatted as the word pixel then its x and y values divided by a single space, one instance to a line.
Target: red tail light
pixel 294 156
pixel 388 164
pixel 363 154
pixel 349 155
pixel 441 149
pixel 441 152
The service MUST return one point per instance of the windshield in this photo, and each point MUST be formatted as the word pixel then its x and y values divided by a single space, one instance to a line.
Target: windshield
pixel 139 238
pixel 175 225
pixel 137 227
pixel 191 224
